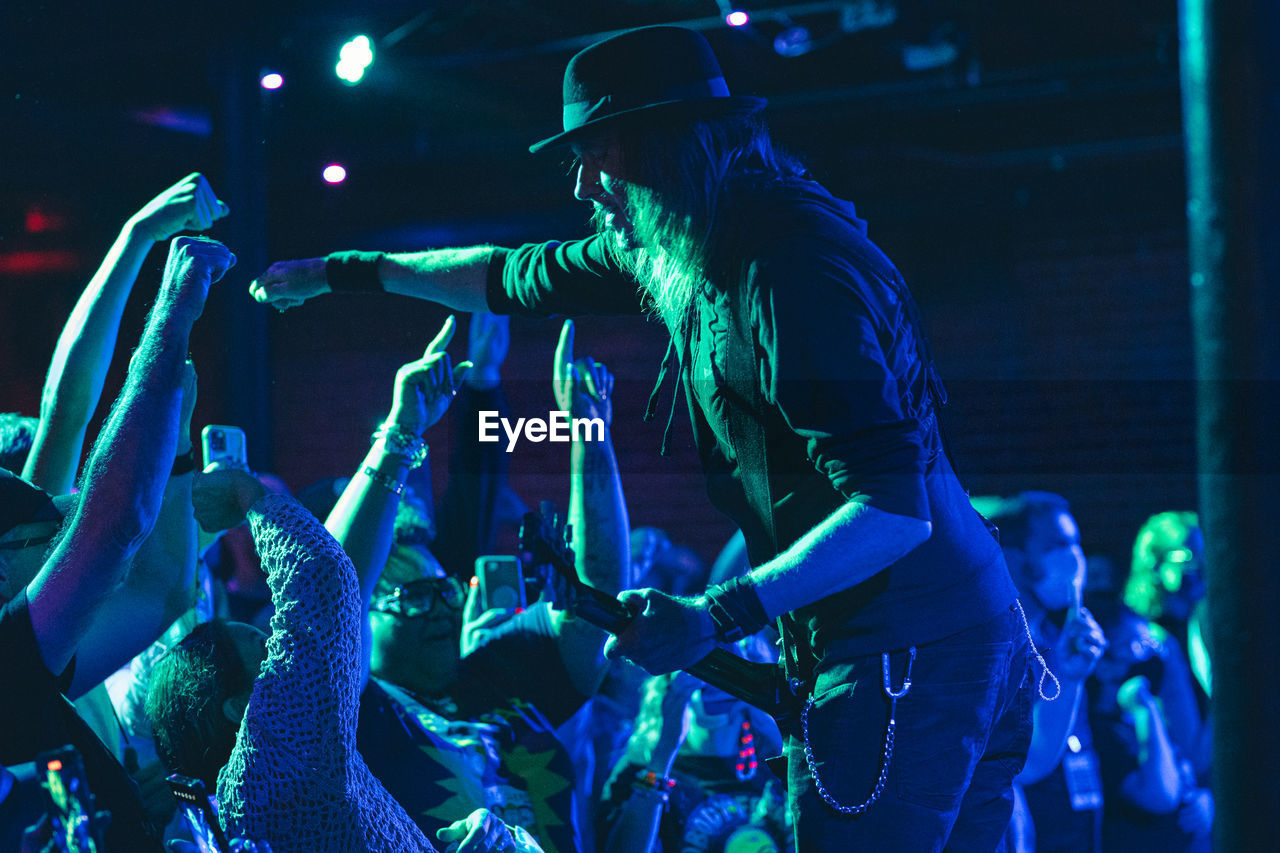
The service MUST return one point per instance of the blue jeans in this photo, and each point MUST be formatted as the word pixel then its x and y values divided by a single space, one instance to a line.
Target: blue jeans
pixel 962 735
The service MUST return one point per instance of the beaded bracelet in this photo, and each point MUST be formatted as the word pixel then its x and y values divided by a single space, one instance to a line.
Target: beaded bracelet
pixel 652 781
pixel 404 444
pixel 391 484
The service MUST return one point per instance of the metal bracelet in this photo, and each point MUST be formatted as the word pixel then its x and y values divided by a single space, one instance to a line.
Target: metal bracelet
pixel 391 484
pixel 411 448
pixel 889 737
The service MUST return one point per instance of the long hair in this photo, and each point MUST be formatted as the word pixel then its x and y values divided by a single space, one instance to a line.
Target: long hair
pixel 188 687
pixel 681 176
pixel 1144 591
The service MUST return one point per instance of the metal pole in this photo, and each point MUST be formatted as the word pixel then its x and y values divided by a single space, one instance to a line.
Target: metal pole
pixel 239 128
pixel 1230 54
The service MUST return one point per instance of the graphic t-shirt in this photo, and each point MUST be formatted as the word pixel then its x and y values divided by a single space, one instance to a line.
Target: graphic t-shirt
pixel 491 745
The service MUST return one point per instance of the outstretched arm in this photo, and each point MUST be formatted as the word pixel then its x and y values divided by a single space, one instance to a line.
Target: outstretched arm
pixel 597 508
pixel 78 369
pixel 466 517
pixel 161 579
pixel 363 520
pixel 453 277
pixel 129 467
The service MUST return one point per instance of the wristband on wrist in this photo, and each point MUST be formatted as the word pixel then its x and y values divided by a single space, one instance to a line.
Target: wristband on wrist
pixel 184 463
pixel 650 780
pixel 403 444
pixel 391 484
pixel 735 609
pixel 353 272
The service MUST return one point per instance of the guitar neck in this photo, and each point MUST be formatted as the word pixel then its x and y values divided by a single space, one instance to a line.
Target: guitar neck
pixel 758 684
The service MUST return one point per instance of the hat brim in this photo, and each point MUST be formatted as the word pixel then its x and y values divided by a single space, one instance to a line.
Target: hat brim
pixel 733 105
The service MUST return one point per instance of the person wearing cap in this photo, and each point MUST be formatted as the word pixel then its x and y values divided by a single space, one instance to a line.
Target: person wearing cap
pixel 813 400
pixel 60 558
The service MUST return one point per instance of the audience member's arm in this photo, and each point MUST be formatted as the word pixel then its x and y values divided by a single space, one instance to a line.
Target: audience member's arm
pixel 363 520
pixel 161 580
pixel 83 354
pixel 597 508
pixel 660 730
pixel 466 518
pixel 130 463
pixel 1156 785
pixel 1074 658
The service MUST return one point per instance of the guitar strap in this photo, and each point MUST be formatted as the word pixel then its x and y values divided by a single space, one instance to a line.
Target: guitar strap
pixel 748 436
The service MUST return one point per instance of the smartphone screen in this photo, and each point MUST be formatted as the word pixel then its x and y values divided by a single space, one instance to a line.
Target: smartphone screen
pixel 200 811
pixel 224 447
pixel 501 582
pixel 67 799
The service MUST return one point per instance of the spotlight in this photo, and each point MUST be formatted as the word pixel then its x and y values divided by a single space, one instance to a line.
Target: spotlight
pixel 737 18
pixel 354 59
pixel 271 80
pixel 334 173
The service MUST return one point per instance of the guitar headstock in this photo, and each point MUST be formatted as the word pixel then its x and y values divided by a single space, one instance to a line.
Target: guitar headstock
pixel 546 549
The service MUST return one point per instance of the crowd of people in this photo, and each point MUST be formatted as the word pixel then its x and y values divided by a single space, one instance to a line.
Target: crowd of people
pixel 332 668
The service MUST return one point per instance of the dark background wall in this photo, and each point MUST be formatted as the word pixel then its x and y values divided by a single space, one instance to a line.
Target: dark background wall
pixel 1031 191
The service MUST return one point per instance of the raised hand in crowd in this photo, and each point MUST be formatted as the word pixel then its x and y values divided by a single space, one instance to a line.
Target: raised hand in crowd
pixel 661 728
pixel 222 498
pixel 131 461
pixel 424 388
pixel 238 845
pixel 488 340
pixel 188 205
pixel 583 387
pixel 83 353
pixel 482 831
pixel 1157 782
pixel 1080 645
pixel 663 722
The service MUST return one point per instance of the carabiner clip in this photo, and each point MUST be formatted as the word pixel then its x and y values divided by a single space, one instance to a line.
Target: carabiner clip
pixel 906 681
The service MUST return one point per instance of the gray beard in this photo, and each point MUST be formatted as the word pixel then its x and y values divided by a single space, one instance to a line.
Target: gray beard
pixel 666 280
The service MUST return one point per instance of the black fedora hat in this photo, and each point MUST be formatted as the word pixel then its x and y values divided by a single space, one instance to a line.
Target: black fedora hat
pixel 647 70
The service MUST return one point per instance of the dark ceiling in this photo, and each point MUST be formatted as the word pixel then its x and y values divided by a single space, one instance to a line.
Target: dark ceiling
pixel 104 94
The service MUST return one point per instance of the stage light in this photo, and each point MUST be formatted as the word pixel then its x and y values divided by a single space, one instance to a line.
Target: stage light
pixel 354 59
pixel 271 80
pixel 334 173
pixel 737 18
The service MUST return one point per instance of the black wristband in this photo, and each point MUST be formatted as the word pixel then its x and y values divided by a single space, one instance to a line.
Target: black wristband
pixel 353 272
pixel 184 463
pixel 736 609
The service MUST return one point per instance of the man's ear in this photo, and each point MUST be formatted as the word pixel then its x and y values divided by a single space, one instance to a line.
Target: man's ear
pixel 233 708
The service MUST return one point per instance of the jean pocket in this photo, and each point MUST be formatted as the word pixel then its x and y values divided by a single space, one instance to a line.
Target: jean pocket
pixel 945 720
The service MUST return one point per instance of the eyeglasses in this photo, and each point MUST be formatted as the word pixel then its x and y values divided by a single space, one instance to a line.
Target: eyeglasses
pixel 18 544
pixel 417 598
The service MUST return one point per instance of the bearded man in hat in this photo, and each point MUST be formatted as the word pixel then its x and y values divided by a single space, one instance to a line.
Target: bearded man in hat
pixel 813 399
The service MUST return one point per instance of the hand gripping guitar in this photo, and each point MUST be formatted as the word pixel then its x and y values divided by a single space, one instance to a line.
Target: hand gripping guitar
pixel 546 553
